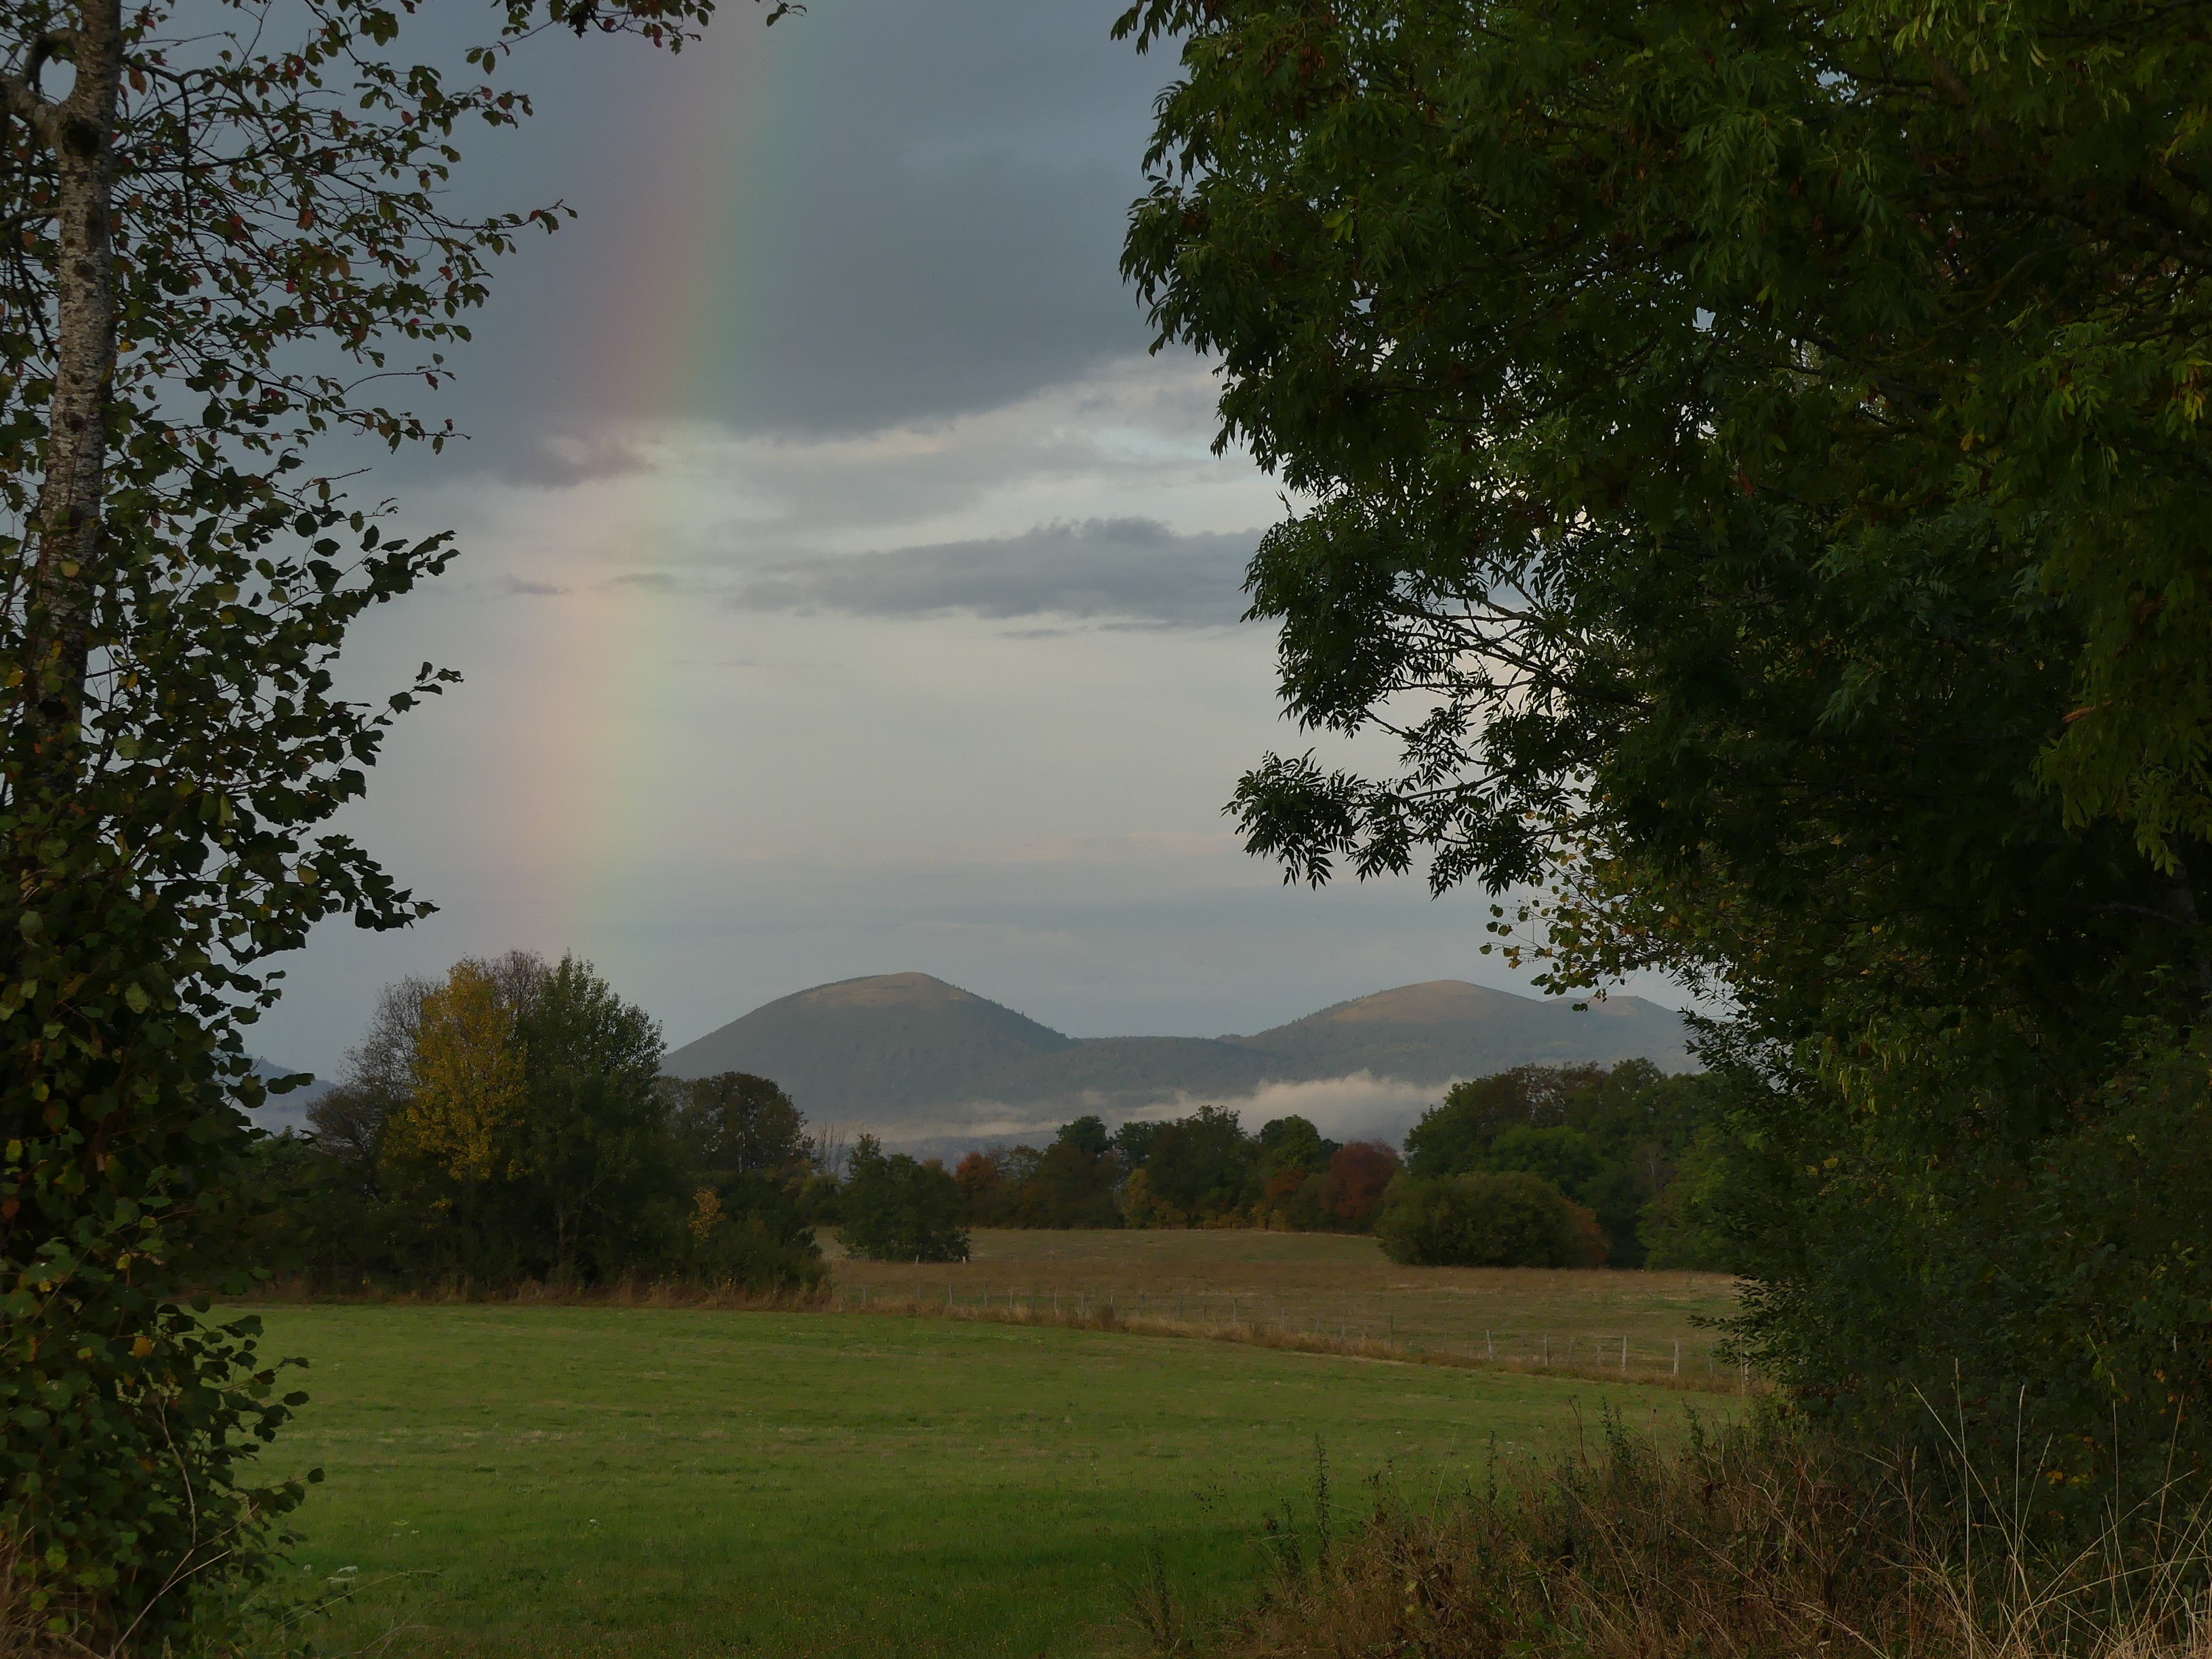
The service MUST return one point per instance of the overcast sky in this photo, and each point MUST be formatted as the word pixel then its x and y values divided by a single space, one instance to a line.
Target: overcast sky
pixel 846 590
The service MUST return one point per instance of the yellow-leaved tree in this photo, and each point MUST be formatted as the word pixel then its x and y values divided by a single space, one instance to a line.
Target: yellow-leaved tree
pixel 467 1079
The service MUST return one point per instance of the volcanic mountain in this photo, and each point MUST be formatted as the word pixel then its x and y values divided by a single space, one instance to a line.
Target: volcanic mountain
pixel 913 1057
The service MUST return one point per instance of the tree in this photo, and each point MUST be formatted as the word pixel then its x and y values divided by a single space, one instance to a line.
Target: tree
pixel 594 1145
pixel 1358 1175
pixel 1457 1135
pixel 217 238
pixel 1609 1139
pixel 466 1088
pixel 1291 1146
pixel 1566 1157
pixel 896 1209
pixel 1073 1185
pixel 735 1123
pixel 1203 1166
pixel 533 1139
pixel 1759 451
pixel 986 1198
pixel 1133 1141
pixel 1087 1135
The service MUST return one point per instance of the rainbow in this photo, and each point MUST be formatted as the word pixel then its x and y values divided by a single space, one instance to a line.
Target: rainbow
pixel 604 672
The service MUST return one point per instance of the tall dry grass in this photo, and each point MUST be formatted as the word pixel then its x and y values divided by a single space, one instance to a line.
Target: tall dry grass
pixel 626 1292
pixel 1754 1543
pixel 30 1627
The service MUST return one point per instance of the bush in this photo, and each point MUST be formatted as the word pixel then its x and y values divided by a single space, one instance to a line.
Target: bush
pixel 1485 1220
pixel 750 1231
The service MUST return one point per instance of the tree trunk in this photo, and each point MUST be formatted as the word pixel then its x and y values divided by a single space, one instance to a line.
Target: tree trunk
pixel 80 133
pixel 2183 893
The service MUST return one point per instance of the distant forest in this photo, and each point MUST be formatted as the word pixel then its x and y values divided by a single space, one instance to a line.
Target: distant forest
pixel 513 1124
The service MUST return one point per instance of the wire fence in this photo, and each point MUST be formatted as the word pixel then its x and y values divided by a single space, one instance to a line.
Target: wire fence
pixel 1694 1360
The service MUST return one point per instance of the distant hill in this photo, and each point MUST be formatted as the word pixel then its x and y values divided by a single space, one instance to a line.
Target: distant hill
pixel 918 1060
pixel 282 1112
pixel 1446 1029
pixel 886 1044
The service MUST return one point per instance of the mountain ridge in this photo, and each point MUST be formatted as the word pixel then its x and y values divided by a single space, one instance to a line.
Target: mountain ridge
pixel 911 1057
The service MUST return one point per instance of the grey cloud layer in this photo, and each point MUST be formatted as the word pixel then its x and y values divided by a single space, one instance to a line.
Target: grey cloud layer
pixel 930 228
pixel 1127 569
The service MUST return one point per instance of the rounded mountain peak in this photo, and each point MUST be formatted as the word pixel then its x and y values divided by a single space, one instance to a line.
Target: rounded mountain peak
pixel 1434 1001
pixel 907 990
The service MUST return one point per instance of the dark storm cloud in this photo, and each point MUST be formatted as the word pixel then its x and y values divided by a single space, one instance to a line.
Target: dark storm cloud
pixel 924 217
pixel 1102 569
pixel 906 293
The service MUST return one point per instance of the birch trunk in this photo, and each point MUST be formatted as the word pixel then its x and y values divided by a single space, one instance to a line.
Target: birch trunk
pixel 79 132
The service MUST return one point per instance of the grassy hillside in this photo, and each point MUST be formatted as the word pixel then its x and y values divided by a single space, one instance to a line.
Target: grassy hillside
pixel 564 1482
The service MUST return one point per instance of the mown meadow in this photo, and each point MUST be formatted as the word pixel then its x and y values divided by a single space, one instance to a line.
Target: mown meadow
pixel 1334 1285
pixel 587 1481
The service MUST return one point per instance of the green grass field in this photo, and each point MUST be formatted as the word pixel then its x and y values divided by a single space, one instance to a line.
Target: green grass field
pixel 566 1480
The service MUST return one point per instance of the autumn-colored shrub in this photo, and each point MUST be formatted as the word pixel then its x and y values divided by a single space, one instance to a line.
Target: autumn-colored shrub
pixel 1359 1173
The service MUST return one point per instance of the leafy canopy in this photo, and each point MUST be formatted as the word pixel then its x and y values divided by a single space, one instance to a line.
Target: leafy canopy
pixel 1754 457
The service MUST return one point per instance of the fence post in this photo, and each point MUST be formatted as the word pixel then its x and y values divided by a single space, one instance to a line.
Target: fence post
pixel 1489 1347
pixel 1624 1353
pixel 1678 1357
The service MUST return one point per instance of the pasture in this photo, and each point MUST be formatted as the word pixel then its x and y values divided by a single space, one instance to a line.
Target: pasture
pixel 1332 1285
pixel 560 1482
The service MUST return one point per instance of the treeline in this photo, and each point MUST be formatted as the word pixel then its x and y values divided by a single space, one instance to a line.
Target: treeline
pixel 1540 1166
pixel 1202 1170
pixel 511 1124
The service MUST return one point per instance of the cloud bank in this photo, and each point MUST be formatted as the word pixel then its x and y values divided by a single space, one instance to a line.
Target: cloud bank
pixel 1360 1107
pixel 1130 568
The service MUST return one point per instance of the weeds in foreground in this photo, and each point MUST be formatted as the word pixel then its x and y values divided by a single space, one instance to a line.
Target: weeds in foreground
pixel 1754 1543
pixel 266 1620
pixel 1153 1606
